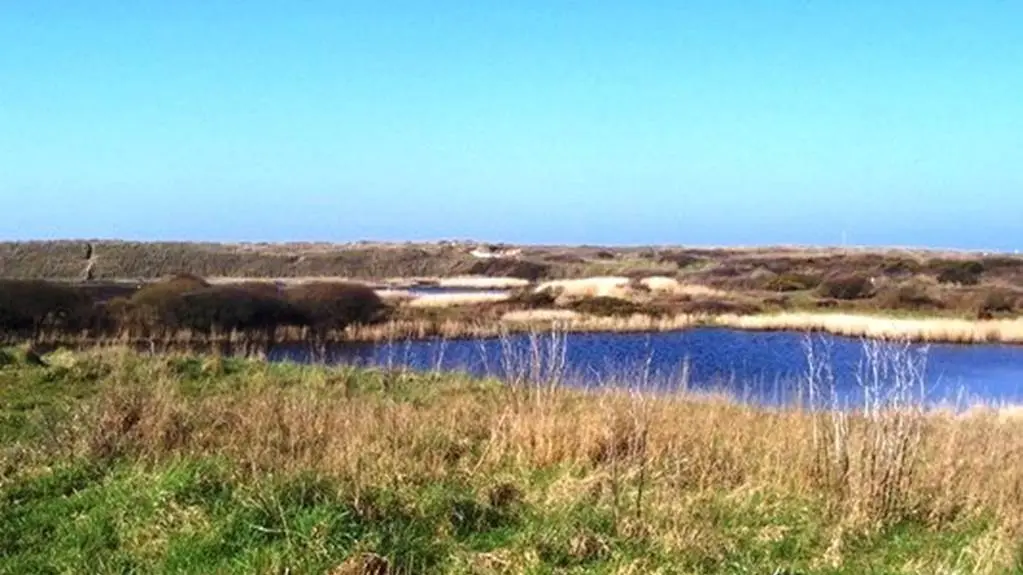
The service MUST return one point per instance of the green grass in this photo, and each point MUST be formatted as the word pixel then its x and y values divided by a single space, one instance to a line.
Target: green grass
pixel 180 509
pixel 203 517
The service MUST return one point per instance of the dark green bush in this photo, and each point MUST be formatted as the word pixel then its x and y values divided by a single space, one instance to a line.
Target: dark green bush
pixel 961 272
pixel 605 306
pixel 997 302
pixel 680 259
pixel 522 269
pixel 160 306
pixel 268 289
pixel 846 287
pixel 336 305
pixel 712 306
pixel 231 308
pixel 159 292
pixel 531 299
pixel 896 266
pixel 1009 264
pixel 791 282
pixel 28 307
pixel 909 296
pixel 564 258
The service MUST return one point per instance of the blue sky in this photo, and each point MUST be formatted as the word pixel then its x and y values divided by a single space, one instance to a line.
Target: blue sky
pixel 697 122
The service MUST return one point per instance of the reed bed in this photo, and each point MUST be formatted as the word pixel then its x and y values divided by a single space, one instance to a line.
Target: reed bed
pixel 936 330
pixel 552 320
pixel 523 321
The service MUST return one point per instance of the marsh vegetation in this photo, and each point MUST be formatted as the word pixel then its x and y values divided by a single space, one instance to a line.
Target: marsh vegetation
pixel 115 461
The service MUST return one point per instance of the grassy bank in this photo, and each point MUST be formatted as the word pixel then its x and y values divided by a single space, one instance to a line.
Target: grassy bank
pixel 114 462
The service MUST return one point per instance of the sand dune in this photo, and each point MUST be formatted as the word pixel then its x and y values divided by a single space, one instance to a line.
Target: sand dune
pixel 482 282
pixel 452 299
pixel 601 286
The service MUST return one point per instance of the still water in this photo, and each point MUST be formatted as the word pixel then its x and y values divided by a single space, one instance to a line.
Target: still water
pixel 762 367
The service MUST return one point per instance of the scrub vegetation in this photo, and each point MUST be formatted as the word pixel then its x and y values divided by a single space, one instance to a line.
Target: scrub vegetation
pixel 260 294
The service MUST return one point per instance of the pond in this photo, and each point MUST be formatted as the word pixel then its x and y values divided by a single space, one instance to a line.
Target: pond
pixel 761 367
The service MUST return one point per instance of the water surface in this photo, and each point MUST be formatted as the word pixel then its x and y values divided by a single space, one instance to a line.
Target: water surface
pixel 764 367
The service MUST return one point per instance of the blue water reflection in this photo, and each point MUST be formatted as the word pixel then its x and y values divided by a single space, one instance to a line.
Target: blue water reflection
pixel 764 367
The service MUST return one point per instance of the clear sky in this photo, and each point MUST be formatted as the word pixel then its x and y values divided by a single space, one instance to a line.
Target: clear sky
pixel 539 121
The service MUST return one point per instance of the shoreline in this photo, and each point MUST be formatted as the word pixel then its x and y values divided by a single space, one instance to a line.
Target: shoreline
pixel 874 327
pixel 916 330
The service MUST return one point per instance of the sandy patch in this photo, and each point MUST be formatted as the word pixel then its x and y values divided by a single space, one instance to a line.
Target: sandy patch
pixel 605 286
pixel 482 282
pixel 663 285
pixel 453 299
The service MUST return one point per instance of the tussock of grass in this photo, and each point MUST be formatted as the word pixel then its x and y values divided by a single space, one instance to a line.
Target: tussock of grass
pixel 201 464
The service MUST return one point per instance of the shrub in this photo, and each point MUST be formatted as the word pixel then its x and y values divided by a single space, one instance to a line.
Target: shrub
pixel 229 308
pixel 778 301
pixel 961 272
pixel 31 306
pixel 1005 264
pixel 105 291
pixel 996 302
pixel 531 299
pixel 522 269
pixel 781 266
pixel 720 307
pixel 170 288
pixel 335 306
pixel 636 275
pixel 605 306
pixel 680 259
pixel 791 282
pixel 267 289
pixel 160 305
pixel 846 287
pixel 564 258
pixel 900 267
pixel 910 296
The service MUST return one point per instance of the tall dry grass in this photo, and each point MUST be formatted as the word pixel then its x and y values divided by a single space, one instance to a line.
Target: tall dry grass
pixel 646 456
pixel 945 330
